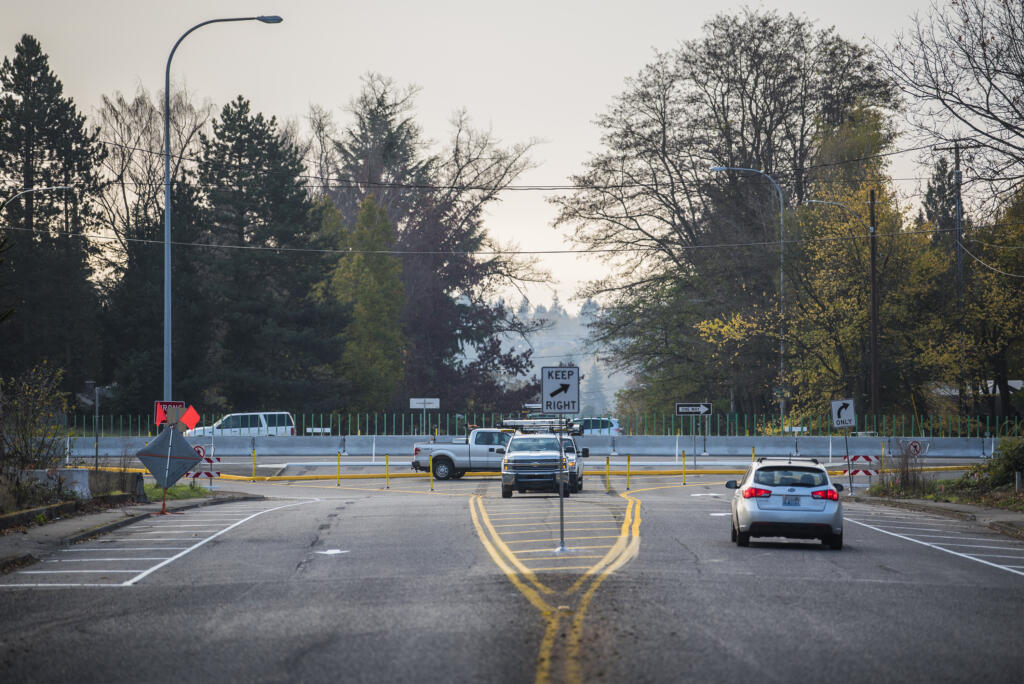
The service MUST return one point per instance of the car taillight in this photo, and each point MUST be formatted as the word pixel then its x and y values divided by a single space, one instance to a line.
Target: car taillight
pixel 293 431
pixel 416 451
pixel 756 492
pixel 830 494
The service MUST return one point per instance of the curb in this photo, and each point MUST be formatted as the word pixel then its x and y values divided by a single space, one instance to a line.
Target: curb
pixel 1008 529
pixel 110 527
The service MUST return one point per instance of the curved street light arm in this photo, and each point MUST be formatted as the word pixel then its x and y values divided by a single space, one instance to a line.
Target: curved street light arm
pixel 30 190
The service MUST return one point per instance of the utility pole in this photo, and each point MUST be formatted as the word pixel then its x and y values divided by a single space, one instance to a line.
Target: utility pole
pixel 957 179
pixel 875 407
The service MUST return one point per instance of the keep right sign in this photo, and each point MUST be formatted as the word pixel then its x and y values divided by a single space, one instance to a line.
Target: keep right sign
pixel 844 415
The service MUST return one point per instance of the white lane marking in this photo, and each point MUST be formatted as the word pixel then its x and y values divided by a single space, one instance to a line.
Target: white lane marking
pixel 716 515
pixel 707 494
pixel 996 555
pixel 331 552
pixel 115 560
pixel 195 546
pixel 977 546
pixel 126 548
pixel 939 548
pixel 73 572
pixel 957 536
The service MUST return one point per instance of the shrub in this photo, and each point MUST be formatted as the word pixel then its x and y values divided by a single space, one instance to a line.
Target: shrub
pixel 31 410
pixel 1007 460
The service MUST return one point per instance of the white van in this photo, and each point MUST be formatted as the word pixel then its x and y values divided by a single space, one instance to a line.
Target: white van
pixel 259 424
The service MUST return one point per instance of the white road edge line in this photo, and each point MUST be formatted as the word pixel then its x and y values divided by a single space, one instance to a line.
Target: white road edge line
pixel 938 548
pixel 192 548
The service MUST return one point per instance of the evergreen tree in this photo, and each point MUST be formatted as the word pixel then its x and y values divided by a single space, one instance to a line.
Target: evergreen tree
pixel 260 341
pixel 435 203
pixel 939 205
pixel 44 142
pixel 369 282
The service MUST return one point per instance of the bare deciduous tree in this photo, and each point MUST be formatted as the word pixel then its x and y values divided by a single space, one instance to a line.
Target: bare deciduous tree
pixel 962 68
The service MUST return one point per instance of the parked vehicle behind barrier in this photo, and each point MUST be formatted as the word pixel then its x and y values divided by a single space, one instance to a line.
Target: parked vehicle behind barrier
pixel 478 451
pixel 257 424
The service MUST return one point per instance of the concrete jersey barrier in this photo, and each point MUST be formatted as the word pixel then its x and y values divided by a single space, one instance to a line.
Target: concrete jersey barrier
pixel 400 447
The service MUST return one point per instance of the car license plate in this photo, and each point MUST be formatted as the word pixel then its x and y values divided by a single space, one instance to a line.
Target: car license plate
pixel 790 500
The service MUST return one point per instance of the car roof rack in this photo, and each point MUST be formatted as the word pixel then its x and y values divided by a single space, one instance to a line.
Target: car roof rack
pixel 535 425
pixel 788 459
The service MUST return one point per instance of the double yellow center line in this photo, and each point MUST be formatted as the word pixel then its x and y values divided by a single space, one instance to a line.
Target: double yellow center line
pixel 554 605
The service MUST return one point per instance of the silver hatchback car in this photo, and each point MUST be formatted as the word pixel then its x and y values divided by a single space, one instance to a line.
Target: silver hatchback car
pixel 791 498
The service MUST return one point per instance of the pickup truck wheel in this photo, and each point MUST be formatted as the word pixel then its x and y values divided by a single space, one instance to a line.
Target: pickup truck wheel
pixel 506 491
pixel 443 469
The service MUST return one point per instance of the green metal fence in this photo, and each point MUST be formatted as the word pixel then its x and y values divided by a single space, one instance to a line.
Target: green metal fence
pixel 717 425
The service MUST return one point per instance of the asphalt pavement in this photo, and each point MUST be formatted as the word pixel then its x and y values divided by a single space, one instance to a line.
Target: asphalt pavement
pixel 310 581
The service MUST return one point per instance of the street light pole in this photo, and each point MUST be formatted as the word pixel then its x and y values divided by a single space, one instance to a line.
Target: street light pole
pixel 782 285
pixel 873 294
pixel 167 189
pixel 28 190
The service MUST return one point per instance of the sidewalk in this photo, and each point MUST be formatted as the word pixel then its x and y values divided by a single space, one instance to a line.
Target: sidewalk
pixel 1010 523
pixel 19 548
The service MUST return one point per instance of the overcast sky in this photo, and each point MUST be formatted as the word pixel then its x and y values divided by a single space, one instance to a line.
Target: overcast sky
pixel 540 69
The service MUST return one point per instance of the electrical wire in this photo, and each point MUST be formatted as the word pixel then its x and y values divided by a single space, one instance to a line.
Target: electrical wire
pixel 991 268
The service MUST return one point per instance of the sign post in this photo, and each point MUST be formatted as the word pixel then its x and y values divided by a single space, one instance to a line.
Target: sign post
pixel 560 393
pixel 424 403
pixel 701 410
pixel 844 415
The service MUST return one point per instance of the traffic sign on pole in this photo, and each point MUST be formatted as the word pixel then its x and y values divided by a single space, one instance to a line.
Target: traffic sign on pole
pixel 699 409
pixel 160 410
pixel 560 389
pixel 844 414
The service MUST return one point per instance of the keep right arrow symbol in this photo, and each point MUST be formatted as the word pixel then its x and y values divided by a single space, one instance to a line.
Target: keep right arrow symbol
pixel 564 387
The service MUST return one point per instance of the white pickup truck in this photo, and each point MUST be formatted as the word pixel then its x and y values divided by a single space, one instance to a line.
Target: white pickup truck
pixel 478 452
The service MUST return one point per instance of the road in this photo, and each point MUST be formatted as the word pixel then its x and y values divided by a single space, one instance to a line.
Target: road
pixel 359 583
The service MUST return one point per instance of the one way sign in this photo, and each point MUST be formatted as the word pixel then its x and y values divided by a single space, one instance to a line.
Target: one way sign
pixel 560 389
pixel 703 409
pixel 844 415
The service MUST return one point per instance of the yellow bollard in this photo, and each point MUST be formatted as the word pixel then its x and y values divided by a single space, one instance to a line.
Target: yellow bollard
pixel 254 463
pixel 752 457
pixel 431 464
pixel 387 471
pixel 339 469
pixel 684 466
pixel 607 474
pixel 628 458
pixel 883 458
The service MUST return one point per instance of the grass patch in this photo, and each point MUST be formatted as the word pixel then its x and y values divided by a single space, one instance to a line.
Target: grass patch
pixel 180 491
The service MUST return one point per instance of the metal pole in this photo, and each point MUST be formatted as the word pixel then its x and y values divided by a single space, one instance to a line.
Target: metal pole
pixel 95 424
pixel 875 405
pixel 562 486
pixel 957 178
pixel 167 190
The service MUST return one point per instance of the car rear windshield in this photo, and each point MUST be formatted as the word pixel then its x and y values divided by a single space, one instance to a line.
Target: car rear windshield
pixel 533 444
pixel 790 476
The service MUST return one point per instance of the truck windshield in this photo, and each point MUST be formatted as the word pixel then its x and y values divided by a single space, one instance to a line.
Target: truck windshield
pixel 533 444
